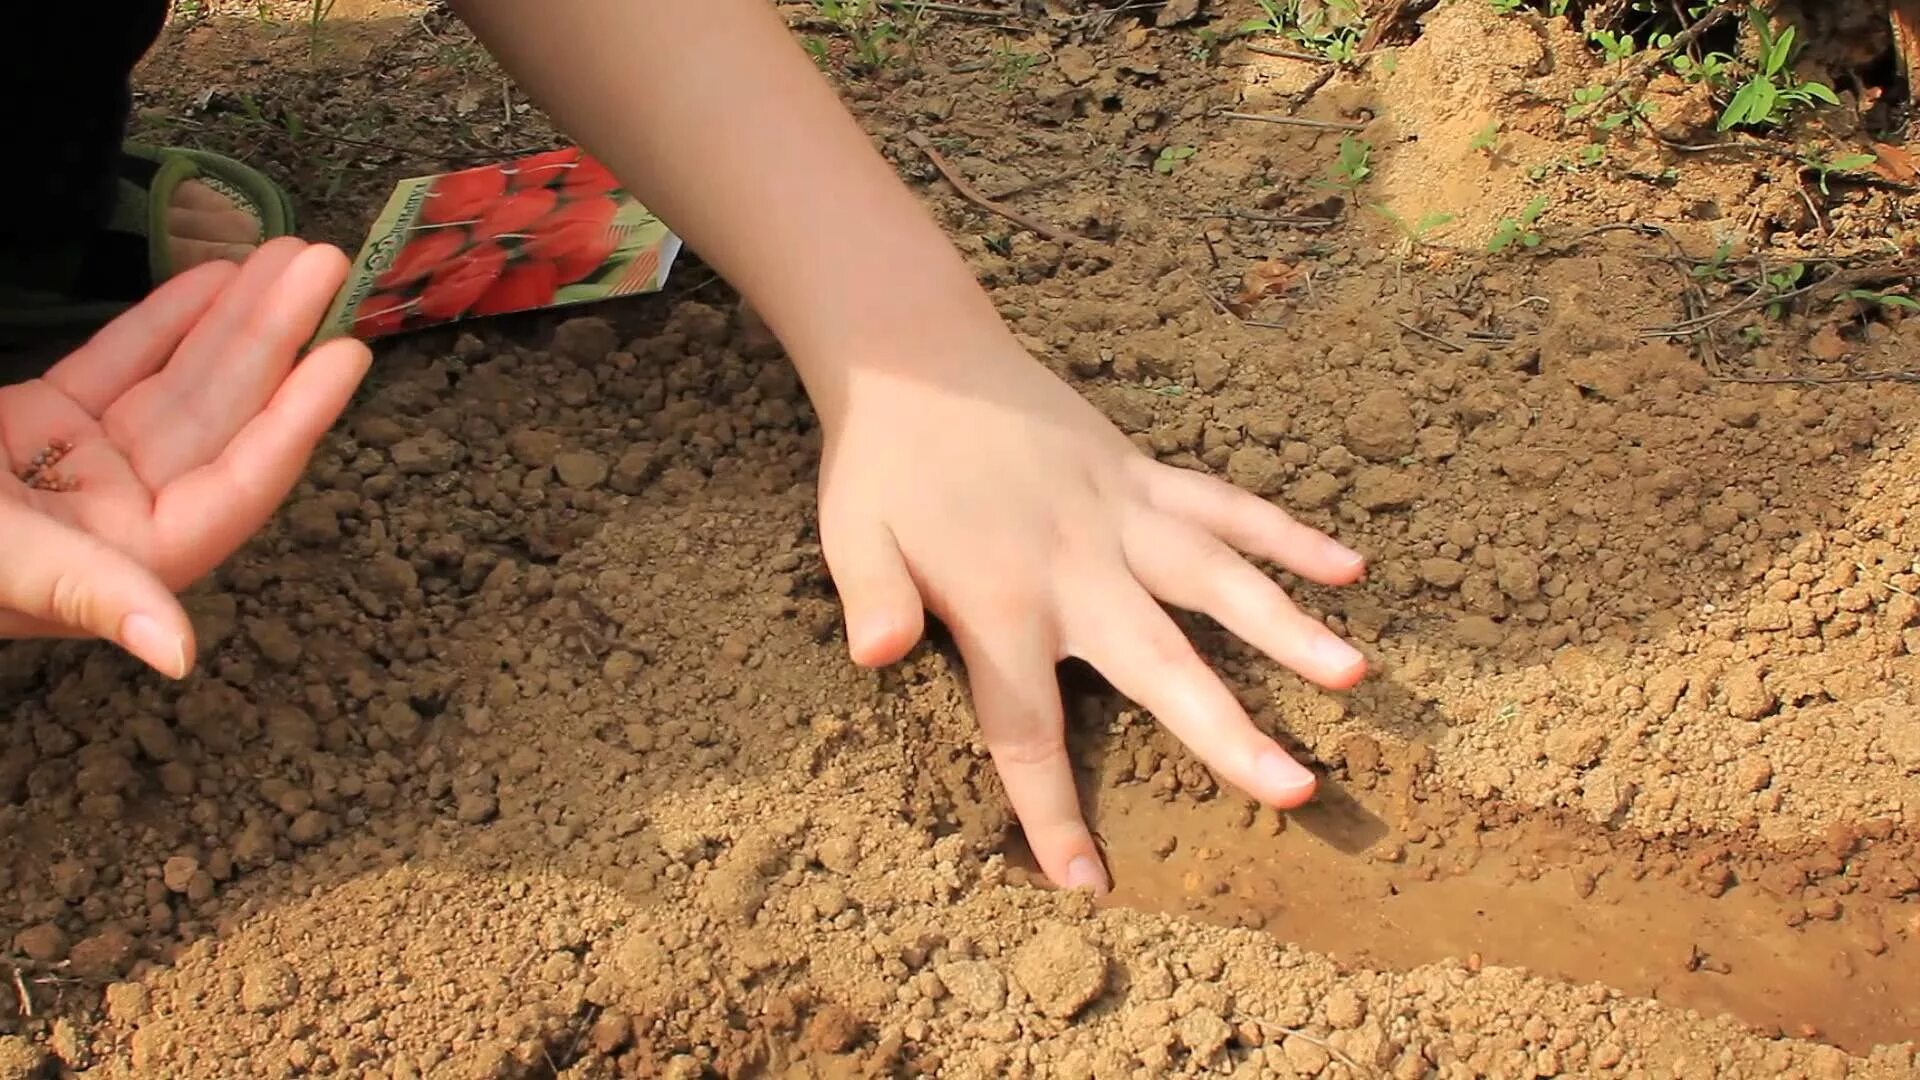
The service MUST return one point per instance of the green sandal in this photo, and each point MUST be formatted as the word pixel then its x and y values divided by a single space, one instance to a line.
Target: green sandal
pixel 129 256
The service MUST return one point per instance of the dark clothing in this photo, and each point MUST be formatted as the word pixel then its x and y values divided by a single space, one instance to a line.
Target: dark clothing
pixel 70 95
pixel 68 89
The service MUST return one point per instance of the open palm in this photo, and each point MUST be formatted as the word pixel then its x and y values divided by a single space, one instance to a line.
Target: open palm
pixel 149 455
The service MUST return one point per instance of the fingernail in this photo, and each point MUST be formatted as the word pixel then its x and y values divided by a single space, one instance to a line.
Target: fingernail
pixel 1282 779
pixel 1336 655
pixel 144 637
pixel 1084 872
pixel 1345 554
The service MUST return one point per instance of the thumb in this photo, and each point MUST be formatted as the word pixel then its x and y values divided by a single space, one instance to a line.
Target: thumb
pixel 58 582
pixel 884 613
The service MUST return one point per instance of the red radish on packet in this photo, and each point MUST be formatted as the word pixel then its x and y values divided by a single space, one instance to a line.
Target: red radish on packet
pixel 544 231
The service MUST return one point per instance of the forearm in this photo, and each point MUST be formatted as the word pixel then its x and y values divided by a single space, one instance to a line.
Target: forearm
pixel 713 116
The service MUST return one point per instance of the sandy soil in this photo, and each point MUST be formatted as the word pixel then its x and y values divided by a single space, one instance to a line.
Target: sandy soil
pixel 525 744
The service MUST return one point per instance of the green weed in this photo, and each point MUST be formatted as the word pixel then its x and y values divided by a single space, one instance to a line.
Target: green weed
pixel 1824 167
pixel 1171 158
pixel 1520 229
pixel 1772 93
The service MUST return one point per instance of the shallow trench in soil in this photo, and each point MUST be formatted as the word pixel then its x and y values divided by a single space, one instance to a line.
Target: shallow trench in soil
pixel 1501 886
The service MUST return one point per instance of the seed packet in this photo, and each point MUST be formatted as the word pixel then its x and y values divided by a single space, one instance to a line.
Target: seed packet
pixel 546 231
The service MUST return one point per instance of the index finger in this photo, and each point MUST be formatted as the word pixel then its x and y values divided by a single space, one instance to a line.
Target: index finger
pixel 230 364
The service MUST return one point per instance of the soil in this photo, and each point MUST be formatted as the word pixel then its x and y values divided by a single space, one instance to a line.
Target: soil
pixel 524 743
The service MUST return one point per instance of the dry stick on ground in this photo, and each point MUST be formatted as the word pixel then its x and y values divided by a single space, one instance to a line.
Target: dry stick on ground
pixel 1646 67
pixel 1295 1033
pixel 1295 121
pixel 971 194
pixel 1430 336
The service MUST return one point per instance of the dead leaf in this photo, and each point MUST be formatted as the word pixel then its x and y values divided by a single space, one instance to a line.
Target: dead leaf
pixel 1895 164
pixel 1263 279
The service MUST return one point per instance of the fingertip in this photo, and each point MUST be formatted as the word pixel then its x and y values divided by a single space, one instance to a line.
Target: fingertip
pixel 877 642
pixel 1086 872
pixel 1348 677
pixel 163 643
pixel 1283 782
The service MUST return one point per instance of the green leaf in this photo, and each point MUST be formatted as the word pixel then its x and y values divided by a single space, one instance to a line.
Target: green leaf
pixel 1822 91
pixel 1850 162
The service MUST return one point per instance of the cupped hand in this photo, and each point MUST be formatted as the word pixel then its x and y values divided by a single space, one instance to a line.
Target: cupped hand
pixel 142 460
pixel 1036 531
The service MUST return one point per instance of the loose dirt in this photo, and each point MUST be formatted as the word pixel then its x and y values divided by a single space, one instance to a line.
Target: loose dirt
pixel 524 742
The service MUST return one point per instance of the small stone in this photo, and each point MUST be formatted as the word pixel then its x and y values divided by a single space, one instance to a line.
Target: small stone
pixel 840 854
pixel 399 721
pixel 20 1059
pixel 44 943
pixel 387 575
pixel 1379 487
pixel 268 987
pixel 975 985
pixel 308 828
pixel 1345 1009
pixel 154 737
pixel 1061 970
pixel 534 449
pixel 476 808
pixel 1306 1056
pixel 1381 426
pixel 1256 469
pixel 581 469
pixel 1076 63
pixel 1747 696
pixel 1315 490
pixel 1576 745
pixel 313 522
pixel 586 340
pixel 275 639
pixel 638 464
pixel 177 873
pixel 127 1003
pixel 1443 573
pixel 1204 1034
pixel 107 954
pixel 428 454
pixel 290 730
pixel 1753 773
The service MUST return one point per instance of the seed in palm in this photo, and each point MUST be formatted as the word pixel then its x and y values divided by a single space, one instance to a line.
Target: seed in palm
pixel 40 473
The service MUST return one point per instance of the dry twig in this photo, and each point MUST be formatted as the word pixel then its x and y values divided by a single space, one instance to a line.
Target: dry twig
pixel 972 194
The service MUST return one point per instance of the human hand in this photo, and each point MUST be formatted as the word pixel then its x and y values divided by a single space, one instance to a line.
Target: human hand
pixel 1009 507
pixel 147 456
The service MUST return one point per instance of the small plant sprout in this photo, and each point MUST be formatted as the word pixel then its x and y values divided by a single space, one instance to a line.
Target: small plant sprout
pixel 1012 67
pixel 1618 48
pixel 1715 268
pixel 1413 234
pixel 1171 158
pixel 1778 283
pixel 1520 229
pixel 1824 166
pixel 1486 140
pixel 1771 93
pixel 1352 168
